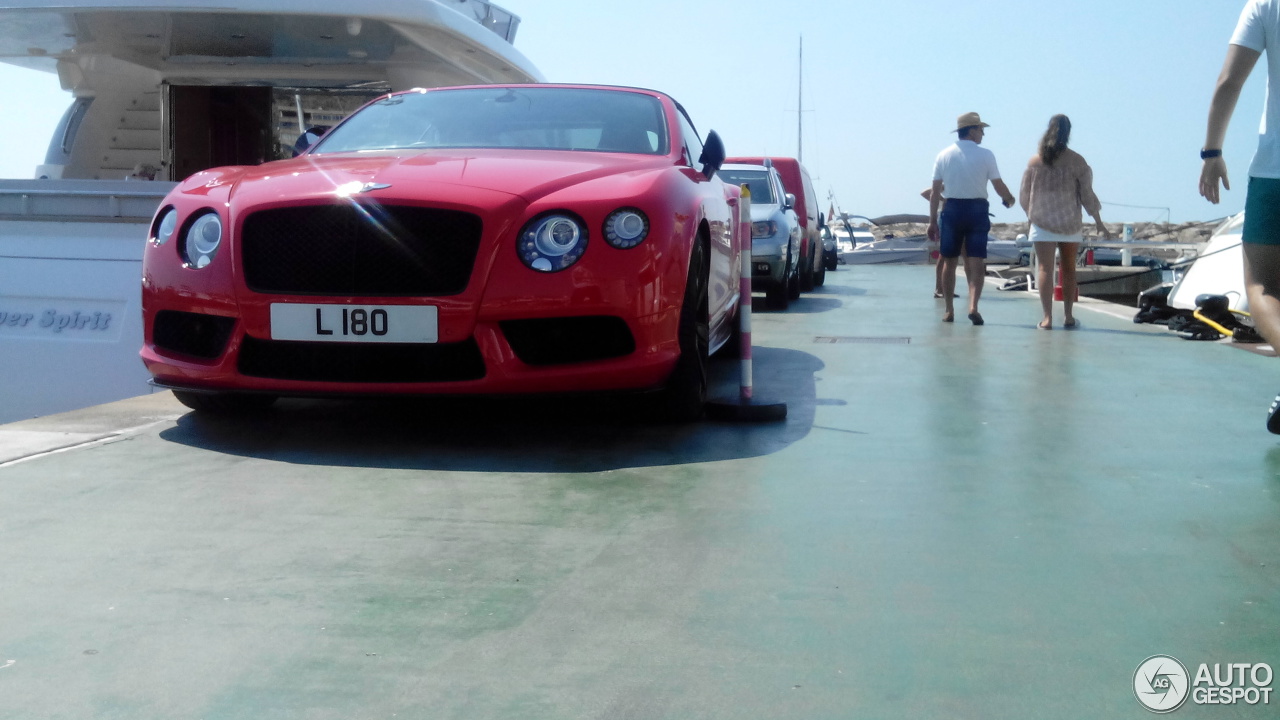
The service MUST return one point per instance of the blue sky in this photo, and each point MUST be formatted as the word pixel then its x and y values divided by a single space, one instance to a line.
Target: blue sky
pixel 883 84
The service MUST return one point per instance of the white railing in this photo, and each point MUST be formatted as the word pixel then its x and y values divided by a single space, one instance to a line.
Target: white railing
pixel 109 200
pixel 496 19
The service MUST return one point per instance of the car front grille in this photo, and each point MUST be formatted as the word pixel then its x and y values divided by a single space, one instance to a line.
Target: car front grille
pixel 359 249
pixel 361 363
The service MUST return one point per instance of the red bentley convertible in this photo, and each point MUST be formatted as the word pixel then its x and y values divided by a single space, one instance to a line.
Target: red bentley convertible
pixel 496 239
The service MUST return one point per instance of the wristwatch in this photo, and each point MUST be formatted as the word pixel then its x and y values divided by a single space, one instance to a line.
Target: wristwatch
pixel 1206 154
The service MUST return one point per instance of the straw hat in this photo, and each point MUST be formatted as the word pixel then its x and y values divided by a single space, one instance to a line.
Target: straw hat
pixel 969 119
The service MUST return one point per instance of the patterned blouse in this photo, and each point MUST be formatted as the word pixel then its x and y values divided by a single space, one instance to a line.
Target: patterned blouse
pixel 1052 195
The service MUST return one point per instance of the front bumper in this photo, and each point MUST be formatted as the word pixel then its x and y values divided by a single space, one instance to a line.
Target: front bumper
pixel 553 354
pixel 600 325
pixel 768 261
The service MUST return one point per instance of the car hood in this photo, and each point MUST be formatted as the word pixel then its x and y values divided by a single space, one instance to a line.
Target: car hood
pixel 523 173
pixel 763 211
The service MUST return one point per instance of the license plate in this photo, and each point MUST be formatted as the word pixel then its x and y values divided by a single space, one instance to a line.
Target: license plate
pixel 354 323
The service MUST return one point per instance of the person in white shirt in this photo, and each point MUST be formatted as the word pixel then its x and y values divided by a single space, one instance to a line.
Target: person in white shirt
pixel 960 176
pixel 1257 30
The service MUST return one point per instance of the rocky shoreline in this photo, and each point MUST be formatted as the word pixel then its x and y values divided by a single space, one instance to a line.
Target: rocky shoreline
pixel 1191 232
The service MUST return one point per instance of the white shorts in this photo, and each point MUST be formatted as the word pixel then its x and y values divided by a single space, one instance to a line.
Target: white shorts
pixel 1039 234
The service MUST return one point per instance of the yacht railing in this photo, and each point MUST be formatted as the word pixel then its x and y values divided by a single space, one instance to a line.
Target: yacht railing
pixel 496 19
pixel 93 200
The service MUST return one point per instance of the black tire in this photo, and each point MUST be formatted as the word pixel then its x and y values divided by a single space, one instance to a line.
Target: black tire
pixel 820 277
pixel 685 395
pixel 732 348
pixel 806 271
pixel 224 403
pixel 775 296
pixel 778 296
pixel 793 278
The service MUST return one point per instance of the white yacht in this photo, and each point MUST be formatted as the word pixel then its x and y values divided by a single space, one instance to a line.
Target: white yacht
pixel 1217 270
pixel 161 89
pixel 915 249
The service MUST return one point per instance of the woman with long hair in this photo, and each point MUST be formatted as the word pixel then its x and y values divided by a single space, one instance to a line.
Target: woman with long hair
pixel 1056 185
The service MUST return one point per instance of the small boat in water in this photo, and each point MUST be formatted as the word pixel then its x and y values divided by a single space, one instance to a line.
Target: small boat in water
pixel 916 250
pixel 910 250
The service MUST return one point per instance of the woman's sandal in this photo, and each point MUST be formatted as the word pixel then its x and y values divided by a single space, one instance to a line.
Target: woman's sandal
pixel 1070 324
pixel 1045 325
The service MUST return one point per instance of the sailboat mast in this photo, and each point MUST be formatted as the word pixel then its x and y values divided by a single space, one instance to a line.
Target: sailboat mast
pixel 800 107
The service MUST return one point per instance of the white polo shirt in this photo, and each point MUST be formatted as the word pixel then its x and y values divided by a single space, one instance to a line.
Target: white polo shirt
pixel 965 169
pixel 1259 29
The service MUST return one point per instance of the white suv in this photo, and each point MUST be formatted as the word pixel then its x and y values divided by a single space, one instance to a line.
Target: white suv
pixel 775 233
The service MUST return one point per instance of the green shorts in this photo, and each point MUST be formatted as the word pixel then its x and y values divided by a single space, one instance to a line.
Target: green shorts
pixel 1262 212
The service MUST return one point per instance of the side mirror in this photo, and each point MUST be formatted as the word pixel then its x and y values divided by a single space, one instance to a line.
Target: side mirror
pixel 790 201
pixel 713 155
pixel 307 139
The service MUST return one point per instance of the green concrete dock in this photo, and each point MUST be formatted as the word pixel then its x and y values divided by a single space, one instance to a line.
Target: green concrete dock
pixel 953 522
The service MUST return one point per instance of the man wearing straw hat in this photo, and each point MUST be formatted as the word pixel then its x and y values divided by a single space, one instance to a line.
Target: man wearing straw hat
pixel 960 176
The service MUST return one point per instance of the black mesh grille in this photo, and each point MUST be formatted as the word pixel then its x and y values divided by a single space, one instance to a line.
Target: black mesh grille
pixel 360 249
pixel 362 363
pixel 557 341
pixel 198 335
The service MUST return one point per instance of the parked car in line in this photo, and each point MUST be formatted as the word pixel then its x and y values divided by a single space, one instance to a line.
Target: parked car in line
pixel 795 180
pixel 504 239
pixel 775 232
pixel 830 250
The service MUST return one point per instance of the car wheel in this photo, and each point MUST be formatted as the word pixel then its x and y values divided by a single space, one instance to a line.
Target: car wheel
pixel 806 271
pixel 832 261
pixel 776 297
pixel 793 279
pixel 683 398
pixel 732 348
pixel 820 277
pixel 224 403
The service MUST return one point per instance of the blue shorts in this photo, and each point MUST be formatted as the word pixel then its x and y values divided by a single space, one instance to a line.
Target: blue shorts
pixel 964 225
pixel 1262 212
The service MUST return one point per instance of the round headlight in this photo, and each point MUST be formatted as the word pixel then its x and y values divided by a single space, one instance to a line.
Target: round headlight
pixel 552 242
pixel 164 229
pixel 626 228
pixel 203 239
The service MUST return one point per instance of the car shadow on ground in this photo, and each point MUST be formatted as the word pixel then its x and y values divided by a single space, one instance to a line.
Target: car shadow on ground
pixel 814 304
pixel 807 304
pixel 590 433
pixel 832 289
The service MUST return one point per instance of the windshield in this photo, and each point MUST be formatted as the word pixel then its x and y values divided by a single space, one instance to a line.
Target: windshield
pixel 756 180
pixel 528 118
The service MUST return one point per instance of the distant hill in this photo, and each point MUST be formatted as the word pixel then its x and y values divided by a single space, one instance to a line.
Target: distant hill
pixel 1191 232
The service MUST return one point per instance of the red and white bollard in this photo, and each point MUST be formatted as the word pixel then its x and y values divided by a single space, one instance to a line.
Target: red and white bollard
pixel 744 287
pixel 746 408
